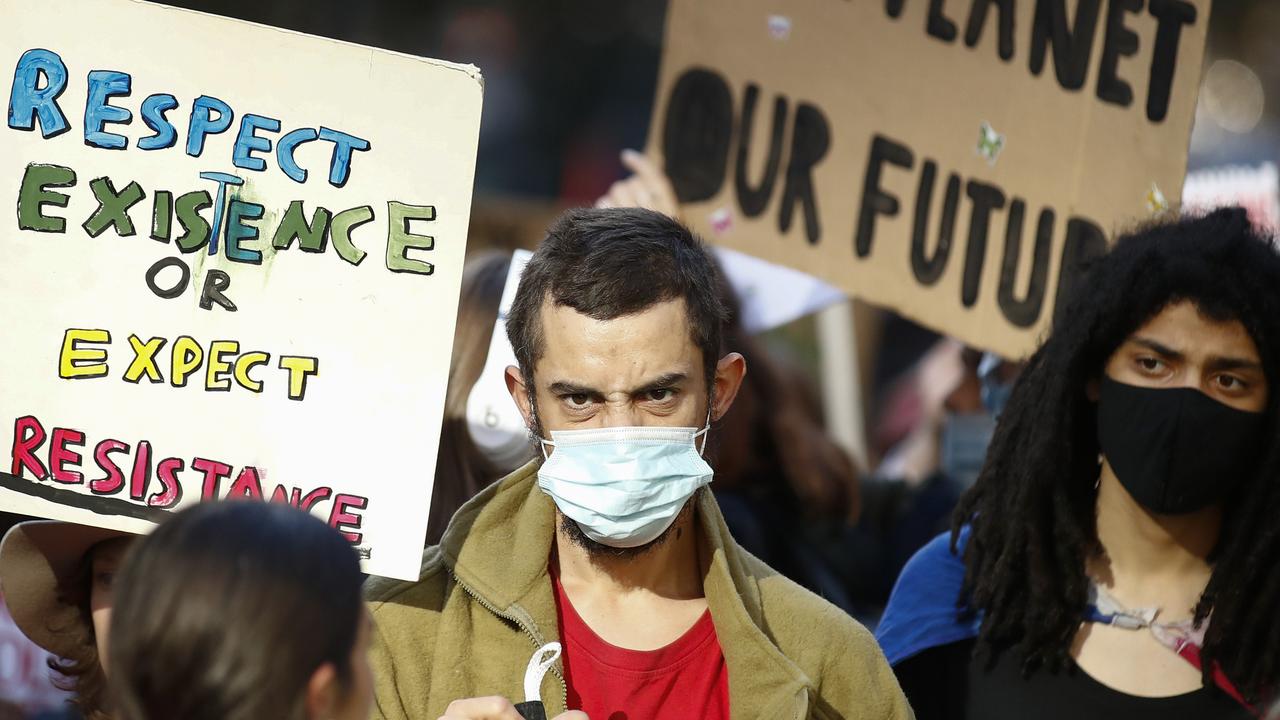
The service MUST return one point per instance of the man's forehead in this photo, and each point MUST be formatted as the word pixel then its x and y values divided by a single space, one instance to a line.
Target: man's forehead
pixel 620 351
pixel 1183 329
pixel 570 325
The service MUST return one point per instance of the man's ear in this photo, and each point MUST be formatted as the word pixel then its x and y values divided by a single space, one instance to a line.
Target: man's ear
pixel 730 371
pixel 322 692
pixel 519 393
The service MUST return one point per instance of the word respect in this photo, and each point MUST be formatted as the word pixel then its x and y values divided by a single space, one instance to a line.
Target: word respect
pixel 41 78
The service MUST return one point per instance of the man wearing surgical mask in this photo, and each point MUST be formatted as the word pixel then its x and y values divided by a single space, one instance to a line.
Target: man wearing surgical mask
pixel 611 550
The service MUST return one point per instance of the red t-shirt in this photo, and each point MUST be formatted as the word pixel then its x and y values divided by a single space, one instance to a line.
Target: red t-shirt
pixel 686 679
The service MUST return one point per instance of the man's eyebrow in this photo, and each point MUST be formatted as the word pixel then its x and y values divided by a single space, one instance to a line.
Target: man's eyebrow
pixel 1216 362
pixel 1159 349
pixel 667 380
pixel 564 387
pixel 661 382
pixel 1233 363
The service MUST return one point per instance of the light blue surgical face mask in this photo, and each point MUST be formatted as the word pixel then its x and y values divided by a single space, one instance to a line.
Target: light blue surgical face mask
pixel 965 438
pixel 624 486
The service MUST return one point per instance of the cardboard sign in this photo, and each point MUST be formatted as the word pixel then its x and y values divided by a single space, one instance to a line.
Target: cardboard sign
pixel 951 159
pixel 232 271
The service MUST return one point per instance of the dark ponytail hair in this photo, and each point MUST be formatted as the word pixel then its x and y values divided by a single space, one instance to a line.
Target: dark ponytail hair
pixel 226 611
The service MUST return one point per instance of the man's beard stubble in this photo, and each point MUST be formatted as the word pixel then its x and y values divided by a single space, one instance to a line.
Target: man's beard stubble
pixel 598 549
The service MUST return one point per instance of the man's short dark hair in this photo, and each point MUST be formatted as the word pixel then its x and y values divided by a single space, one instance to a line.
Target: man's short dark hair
pixel 608 263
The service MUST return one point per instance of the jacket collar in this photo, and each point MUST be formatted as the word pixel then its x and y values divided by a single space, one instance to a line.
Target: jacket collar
pixel 498 546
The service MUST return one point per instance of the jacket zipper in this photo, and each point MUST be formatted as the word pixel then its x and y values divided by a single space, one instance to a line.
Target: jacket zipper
pixel 533 637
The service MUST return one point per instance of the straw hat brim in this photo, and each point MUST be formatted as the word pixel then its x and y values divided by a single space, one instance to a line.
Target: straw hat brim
pixel 36 559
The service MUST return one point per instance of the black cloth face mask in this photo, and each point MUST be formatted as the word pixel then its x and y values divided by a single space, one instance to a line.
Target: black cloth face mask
pixel 1176 450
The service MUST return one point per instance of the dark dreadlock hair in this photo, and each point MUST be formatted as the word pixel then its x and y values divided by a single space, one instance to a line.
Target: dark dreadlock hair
pixel 1032 509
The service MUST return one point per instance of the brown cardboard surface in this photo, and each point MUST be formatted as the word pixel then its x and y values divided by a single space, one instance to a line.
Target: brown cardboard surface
pixel 842 73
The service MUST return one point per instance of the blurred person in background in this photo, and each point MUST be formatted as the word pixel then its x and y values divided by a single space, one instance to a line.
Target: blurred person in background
pixel 1117 556
pixel 26 681
pixel 785 488
pixel 463 467
pixel 945 409
pixel 57 579
pixel 241 610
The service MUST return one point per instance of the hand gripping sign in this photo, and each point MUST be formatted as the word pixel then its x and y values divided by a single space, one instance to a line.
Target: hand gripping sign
pixel 231 269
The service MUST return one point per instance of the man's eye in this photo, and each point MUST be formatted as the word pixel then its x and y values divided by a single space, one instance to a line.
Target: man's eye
pixel 661 395
pixel 577 400
pixel 1150 364
pixel 1231 383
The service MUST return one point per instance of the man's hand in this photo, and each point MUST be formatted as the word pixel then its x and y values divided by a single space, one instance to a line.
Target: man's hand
pixel 494 708
pixel 648 187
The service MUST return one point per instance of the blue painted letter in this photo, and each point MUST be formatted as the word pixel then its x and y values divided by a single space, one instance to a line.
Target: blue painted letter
pixel 343 144
pixel 247 142
pixel 202 124
pixel 223 179
pixel 104 85
pixel 153 110
pixel 26 101
pixel 284 152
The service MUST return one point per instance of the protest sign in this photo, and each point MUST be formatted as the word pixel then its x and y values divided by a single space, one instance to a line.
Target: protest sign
pixel 1256 189
pixel 233 269
pixel 951 159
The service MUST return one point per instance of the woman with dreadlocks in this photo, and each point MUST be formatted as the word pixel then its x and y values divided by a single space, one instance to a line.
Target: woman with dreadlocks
pixel 1119 555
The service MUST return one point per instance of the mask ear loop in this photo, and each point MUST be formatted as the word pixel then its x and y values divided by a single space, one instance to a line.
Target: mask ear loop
pixel 705 433
pixel 542 442
pixel 539 664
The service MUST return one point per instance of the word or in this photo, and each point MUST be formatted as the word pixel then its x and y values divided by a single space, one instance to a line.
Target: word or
pixel 41 77
pixel 129 469
pixel 83 356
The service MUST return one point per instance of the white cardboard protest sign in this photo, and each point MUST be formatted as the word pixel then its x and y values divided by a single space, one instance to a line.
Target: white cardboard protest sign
pixel 233 269
pixel 954 160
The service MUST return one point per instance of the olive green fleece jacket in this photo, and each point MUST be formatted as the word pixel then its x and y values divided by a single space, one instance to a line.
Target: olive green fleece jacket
pixel 484 604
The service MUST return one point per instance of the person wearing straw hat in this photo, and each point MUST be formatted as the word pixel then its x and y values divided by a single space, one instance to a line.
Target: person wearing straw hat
pixel 56 580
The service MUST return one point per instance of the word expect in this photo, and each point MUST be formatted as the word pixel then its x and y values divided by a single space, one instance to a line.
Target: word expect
pixel 82 357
